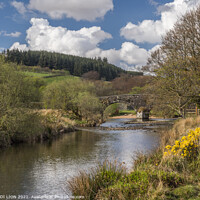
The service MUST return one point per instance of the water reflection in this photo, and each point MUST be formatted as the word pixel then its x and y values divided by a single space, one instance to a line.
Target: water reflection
pixel 45 168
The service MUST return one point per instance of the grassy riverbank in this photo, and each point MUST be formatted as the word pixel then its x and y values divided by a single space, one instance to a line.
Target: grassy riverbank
pixel 156 176
pixel 38 125
pixel 55 123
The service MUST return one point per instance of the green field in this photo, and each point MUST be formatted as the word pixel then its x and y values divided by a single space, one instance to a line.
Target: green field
pixel 127 112
pixel 59 78
pixel 35 74
pixel 47 77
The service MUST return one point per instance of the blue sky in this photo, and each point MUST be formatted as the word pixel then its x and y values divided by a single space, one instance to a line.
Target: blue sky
pixel 124 31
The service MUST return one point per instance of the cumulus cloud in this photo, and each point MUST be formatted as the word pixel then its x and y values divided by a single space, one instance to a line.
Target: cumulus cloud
pixel 83 42
pixel 80 10
pixel 129 53
pixel 20 7
pixel 42 36
pixel 133 54
pixel 129 56
pixel 17 45
pixel 151 31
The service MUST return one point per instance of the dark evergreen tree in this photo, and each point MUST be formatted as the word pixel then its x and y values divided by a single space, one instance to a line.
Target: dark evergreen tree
pixel 74 64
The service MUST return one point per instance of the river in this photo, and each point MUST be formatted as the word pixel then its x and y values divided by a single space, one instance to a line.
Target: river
pixel 45 168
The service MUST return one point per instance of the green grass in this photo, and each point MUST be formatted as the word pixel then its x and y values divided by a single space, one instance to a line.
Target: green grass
pixel 113 110
pixel 47 76
pixel 35 74
pixel 59 78
pixel 127 112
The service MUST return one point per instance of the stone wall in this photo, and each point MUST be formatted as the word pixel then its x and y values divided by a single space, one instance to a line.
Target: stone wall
pixel 135 101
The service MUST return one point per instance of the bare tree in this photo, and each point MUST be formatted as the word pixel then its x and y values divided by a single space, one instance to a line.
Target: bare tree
pixel 91 75
pixel 176 65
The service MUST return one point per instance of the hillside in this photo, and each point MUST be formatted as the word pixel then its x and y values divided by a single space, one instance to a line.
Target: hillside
pixel 76 65
pixel 49 76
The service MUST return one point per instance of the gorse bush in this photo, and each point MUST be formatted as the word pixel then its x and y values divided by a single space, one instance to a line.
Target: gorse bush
pixel 186 147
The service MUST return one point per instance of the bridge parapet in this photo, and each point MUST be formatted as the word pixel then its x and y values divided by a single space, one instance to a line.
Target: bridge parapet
pixel 135 101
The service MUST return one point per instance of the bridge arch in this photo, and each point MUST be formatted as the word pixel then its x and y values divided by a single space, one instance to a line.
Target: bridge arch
pixel 135 101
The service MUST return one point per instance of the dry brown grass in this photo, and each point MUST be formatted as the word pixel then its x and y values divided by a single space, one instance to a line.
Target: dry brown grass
pixel 180 128
pixel 57 116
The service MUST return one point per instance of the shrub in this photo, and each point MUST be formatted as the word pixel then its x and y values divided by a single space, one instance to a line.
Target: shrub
pixel 112 110
pixel 186 147
pixel 136 90
pixel 140 185
pixel 17 92
pixel 73 95
pixel 89 107
pixel 101 177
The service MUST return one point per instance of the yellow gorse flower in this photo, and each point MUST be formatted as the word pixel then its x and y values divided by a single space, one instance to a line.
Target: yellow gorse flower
pixel 187 146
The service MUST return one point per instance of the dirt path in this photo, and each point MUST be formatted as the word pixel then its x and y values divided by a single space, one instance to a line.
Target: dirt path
pixel 129 116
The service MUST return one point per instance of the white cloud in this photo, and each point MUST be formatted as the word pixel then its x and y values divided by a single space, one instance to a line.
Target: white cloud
pixel 151 31
pixel 19 7
pixel 17 45
pixel 80 10
pixel 42 36
pixel 147 31
pixel 83 42
pixel 14 34
pixel 127 57
pixel 133 54
pixel 113 55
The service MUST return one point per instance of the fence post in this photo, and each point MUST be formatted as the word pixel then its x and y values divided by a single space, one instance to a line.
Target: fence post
pixel 196 110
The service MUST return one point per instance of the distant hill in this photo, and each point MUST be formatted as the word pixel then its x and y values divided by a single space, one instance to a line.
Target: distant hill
pixel 76 65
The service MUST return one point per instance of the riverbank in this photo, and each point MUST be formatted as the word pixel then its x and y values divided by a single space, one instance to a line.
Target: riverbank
pixel 45 124
pixel 173 175
pixel 131 116
pixel 127 116
pixel 133 123
pixel 55 123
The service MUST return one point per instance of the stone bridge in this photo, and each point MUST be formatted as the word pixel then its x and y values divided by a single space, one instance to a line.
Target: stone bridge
pixel 135 101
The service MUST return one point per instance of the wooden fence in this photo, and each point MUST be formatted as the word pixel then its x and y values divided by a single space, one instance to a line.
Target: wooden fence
pixel 192 112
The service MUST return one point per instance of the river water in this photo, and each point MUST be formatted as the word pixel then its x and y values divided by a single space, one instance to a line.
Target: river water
pixel 44 169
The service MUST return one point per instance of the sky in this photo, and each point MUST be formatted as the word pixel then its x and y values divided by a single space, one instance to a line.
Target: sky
pixel 123 31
